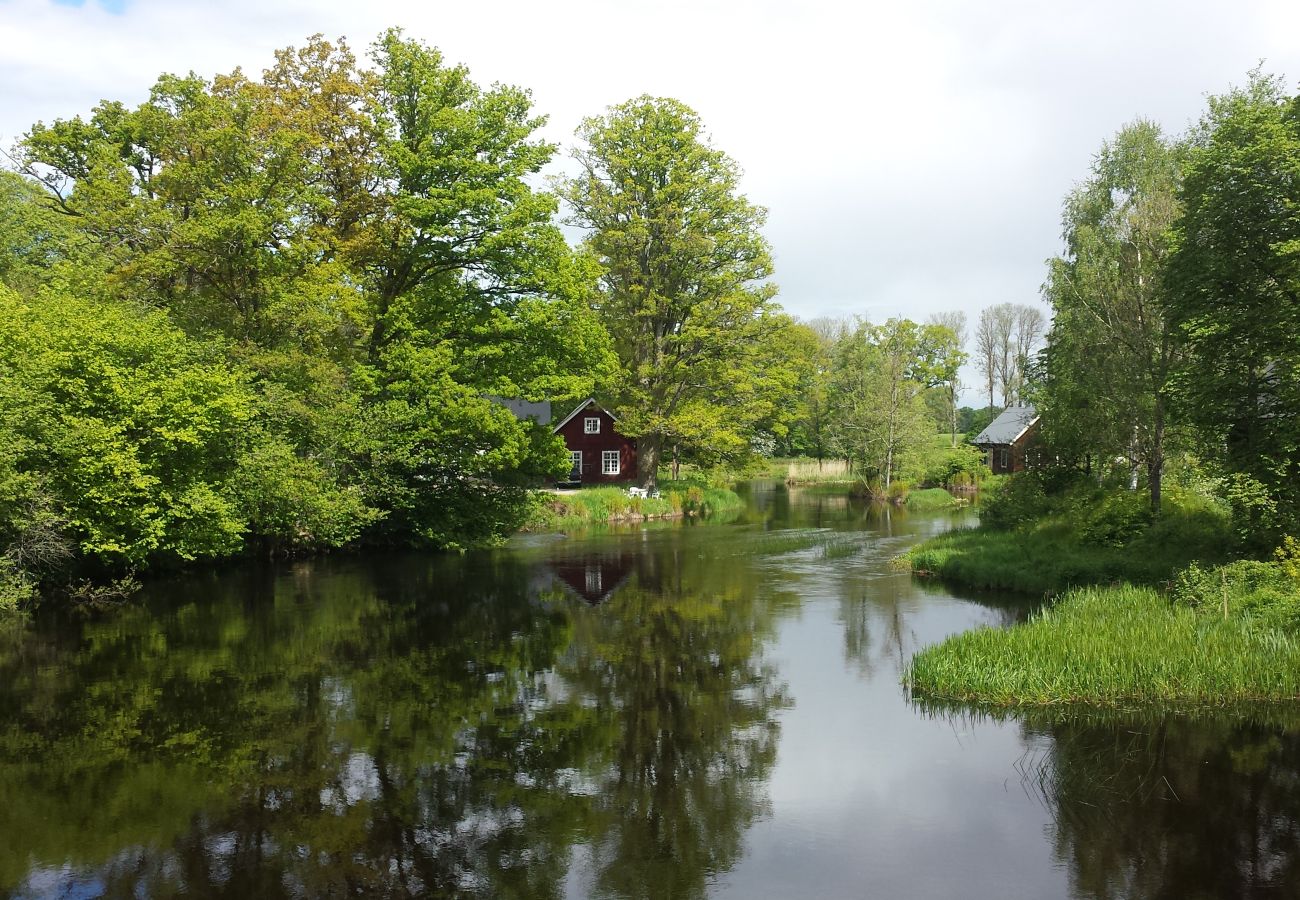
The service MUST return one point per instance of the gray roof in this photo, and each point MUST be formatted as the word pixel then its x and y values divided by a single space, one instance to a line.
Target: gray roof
pixel 539 412
pixel 1007 427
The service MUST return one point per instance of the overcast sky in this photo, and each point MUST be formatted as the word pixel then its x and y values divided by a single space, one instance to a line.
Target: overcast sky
pixel 913 156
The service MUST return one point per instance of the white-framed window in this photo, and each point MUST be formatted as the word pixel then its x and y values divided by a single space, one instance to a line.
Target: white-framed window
pixel 591 425
pixel 1006 459
pixel 575 457
pixel 610 464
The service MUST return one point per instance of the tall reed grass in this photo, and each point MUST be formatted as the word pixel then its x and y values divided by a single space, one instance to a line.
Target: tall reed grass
pixel 1113 646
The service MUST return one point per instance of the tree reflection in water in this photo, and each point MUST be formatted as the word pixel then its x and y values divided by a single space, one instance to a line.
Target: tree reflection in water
pixel 1169 805
pixel 417 727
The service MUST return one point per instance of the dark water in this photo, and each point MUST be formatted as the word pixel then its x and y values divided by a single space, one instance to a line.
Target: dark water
pixel 671 712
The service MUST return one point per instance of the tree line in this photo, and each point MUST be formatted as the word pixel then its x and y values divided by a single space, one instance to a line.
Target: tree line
pixel 878 394
pixel 275 313
pixel 1177 307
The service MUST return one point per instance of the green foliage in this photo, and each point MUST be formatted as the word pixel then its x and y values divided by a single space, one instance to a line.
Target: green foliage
pixel 16 588
pixel 878 383
pixel 1111 348
pixel 1235 296
pixel 1114 521
pixel 344 263
pixel 707 362
pixel 954 467
pixel 1040 543
pixel 1017 501
pixel 1113 646
pixel 133 431
pixel 596 505
pixel 1265 594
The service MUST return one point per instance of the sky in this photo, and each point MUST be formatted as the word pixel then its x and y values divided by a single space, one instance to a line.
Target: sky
pixel 912 155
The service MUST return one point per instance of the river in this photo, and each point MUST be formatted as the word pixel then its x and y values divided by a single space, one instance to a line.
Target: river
pixel 672 711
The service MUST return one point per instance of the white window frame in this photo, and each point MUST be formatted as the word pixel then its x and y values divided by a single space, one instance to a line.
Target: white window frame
pixel 1005 458
pixel 575 461
pixel 611 462
pixel 591 425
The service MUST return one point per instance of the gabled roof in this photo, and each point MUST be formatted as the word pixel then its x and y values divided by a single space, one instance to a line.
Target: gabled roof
pixel 539 411
pixel 590 401
pixel 1008 427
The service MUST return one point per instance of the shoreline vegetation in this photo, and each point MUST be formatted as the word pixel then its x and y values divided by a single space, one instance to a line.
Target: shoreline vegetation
pixel 1139 610
pixel 555 511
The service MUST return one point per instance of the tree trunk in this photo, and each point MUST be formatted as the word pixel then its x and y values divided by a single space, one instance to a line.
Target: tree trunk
pixel 1156 459
pixel 648 450
pixel 677 463
pixel 952 408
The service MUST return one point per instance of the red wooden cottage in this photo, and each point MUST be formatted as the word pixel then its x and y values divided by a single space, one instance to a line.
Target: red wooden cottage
pixel 599 453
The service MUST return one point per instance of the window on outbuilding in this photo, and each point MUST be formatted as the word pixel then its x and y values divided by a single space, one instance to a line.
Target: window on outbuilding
pixel 591 425
pixel 575 456
pixel 610 463
pixel 1006 459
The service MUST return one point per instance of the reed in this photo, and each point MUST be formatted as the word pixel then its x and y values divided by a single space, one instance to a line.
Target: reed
pixel 1113 646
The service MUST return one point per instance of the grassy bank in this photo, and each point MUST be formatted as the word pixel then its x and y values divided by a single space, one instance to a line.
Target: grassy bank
pixel 597 505
pixel 1086 538
pixel 931 499
pixel 1116 646
pixel 1148 614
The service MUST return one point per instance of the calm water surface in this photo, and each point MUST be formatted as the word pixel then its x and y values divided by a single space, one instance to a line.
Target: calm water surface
pixel 673 711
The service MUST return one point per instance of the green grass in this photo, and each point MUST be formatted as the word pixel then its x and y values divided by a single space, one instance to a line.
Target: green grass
pixel 929 499
pixel 595 505
pixel 1114 646
pixel 1079 542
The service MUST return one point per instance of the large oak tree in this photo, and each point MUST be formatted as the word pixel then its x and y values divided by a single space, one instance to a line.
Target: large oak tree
pixel 684 295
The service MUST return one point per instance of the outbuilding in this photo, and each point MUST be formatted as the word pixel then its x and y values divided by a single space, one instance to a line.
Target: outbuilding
pixel 1008 437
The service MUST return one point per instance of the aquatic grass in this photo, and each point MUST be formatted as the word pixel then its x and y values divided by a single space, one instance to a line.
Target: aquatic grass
pixel 930 499
pixel 1113 646
pixel 828 544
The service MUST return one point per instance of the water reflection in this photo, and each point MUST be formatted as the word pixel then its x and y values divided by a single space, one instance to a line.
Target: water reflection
pixel 418 727
pixel 1167 806
pixel 675 712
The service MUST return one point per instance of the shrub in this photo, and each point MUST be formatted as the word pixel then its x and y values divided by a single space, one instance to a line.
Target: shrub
pixel 1116 520
pixel 1261 591
pixel 1017 501
pixel 16 589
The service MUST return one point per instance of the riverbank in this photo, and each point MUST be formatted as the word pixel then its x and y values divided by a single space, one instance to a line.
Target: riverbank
pixel 605 505
pixel 1147 611
pixel 1080 540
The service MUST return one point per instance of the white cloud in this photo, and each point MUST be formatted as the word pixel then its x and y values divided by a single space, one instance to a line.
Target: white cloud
pixel 913 156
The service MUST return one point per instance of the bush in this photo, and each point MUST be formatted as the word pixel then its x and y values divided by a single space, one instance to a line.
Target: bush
pixel 956 467
pixel 1116 520
pixel 1018 501
pixel 1259 591
pixel 16 589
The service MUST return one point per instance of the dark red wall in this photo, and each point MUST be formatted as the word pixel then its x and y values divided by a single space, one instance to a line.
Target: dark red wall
pixel 1017 453
pixel 592 446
